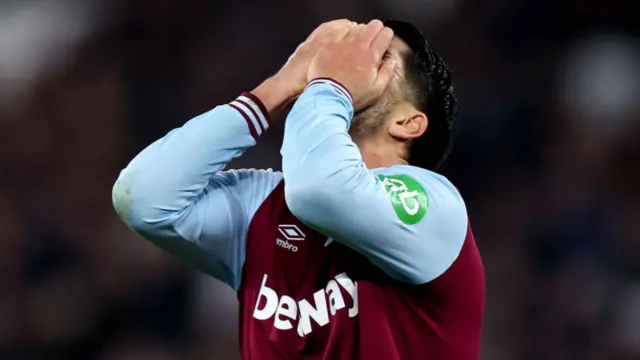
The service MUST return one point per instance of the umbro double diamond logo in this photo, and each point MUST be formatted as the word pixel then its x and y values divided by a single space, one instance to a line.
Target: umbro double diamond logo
pixel 288 235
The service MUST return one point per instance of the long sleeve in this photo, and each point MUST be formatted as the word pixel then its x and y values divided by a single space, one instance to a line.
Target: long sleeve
pixel 408 221
pixel 175 194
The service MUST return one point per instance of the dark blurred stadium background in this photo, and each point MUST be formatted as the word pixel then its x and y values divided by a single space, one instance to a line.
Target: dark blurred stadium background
pixel 548 160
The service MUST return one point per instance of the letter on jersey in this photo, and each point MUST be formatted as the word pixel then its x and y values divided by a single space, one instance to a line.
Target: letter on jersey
pixel 285 309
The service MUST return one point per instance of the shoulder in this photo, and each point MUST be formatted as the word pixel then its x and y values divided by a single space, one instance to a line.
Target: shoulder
pixel 435 194
pixel 432 210
pixel 425 176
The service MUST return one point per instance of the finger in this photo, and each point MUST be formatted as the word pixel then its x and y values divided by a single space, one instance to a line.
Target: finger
pixel 330 26
pixel 381 44
pixel 338 26
pixel 328 33
pixel 340 33
pixel 354 32
pixel 370 32
pixel 386 71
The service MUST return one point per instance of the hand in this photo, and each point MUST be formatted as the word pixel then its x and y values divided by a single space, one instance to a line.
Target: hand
pixel 277 91
pixel 295 70
pixel 356 62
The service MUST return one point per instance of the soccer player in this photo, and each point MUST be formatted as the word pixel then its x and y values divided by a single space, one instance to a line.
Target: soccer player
pixel 349 252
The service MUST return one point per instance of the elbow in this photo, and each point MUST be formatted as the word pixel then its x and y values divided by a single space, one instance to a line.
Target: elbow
pixel 134 205
pixel 123 202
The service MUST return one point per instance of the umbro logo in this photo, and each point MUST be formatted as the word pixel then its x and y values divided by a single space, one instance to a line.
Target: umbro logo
pixel 289 233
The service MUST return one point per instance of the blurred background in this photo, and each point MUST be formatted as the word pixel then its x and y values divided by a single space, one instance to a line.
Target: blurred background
pixel 547 158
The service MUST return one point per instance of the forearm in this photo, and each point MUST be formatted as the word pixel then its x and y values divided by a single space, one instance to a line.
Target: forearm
pixel 171 173
pixel 275 94
pixel 317 147
pixel 326 178
pixel 175 195
pixel 320 161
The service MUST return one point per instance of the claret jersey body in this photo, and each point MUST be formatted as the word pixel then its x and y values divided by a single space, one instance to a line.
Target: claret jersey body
pixel 330 260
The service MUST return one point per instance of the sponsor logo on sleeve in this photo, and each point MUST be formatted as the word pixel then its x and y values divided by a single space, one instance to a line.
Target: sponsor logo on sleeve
pixel 408 197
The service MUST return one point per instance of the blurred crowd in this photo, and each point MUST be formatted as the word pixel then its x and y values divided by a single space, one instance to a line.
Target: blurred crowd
pixel 547 159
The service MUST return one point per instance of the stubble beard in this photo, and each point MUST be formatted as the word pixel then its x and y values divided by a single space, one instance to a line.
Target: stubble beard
pixel 370 120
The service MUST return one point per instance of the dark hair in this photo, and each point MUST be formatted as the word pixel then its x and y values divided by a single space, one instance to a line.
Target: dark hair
pixel 431 91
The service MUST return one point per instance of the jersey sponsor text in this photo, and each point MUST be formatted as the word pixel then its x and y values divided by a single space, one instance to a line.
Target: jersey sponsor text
pixel 326 302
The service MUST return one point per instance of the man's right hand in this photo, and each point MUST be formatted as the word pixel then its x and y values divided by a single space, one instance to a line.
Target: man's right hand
pixel 357 62
pixel 289 82
pixel 296 69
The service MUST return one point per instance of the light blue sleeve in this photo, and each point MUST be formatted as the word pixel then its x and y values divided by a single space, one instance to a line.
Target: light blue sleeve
pixel 408 221
pixel 175 194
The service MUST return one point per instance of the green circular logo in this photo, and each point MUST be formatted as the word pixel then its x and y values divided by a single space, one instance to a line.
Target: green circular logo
pixel 408 197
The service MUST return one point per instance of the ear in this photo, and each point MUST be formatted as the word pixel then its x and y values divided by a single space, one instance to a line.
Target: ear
pixel 408 125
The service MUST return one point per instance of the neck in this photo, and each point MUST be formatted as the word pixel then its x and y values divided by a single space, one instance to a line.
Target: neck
pixel 382 154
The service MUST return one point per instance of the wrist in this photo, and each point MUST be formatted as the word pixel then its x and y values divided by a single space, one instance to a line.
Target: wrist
pixel 335 84
pixel 275 93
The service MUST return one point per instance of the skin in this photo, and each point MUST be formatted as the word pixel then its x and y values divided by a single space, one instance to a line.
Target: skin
pixel 367 60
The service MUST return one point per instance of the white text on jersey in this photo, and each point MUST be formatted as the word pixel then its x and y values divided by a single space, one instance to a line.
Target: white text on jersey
pixel 286 245
pixel 325 303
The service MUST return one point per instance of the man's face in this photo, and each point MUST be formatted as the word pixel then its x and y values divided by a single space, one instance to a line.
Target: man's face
pixel 370 120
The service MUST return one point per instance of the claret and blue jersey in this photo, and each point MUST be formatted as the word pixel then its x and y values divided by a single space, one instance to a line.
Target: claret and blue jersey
pixel 330 260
